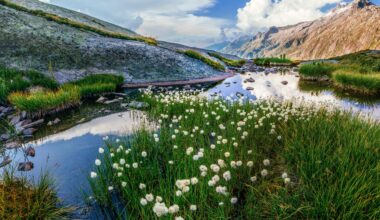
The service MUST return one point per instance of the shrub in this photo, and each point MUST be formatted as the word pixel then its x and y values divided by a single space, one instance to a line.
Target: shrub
pixel 229 62
pixel 42 102
pixel 367 83
pixel 199 56
pixel 21 199
pixel 317 70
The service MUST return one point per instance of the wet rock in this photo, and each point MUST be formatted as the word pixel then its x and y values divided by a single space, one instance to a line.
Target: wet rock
pixel 284 82
pixel 30 151
pixel 111 101
pixel 250 88
pixel 23 115
pixel 12 145
pixel 29 131
pixel 239 94
pixel 119 94
pixel 187 87
pixel 5 161
pixel 34 124
pixel 25 166
pixel 101 99
pixel 5 137
pixel 251 80
pixel 15 119
pixel 56 121
pixel 138 105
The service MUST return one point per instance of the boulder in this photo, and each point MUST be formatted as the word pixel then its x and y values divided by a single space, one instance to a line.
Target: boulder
pixel 56 121
pixel 251 80
pixel 15 119
pixel 13 145
pixel 5 137
pixel 29 131
pixel 33 124
pixel 284 82
pixel 250 88
pixel 101 99
pixel 25 166
pixel 30 151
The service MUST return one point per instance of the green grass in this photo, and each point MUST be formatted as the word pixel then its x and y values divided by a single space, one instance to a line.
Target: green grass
pixel 317 70
pixel 365 83
pixel 21 199
pixel 266 61
pixel 368 61
pixel 12 80
pixel 229 62
pixel 75 24
pixel 331 159
pixel 199 56
pixel 97 84
pixel 42 102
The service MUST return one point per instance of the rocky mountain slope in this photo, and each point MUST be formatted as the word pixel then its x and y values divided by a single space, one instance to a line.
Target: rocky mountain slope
pixel 28 41
pixel 346 29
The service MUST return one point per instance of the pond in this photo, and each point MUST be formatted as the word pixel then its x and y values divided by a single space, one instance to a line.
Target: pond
pixel 68 150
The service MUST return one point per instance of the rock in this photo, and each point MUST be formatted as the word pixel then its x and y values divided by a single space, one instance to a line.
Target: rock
pixel 138 105
pixel 119 94
pixel 30 151
pixel 111 101
pixel 34 124
pixel 187 87
pixel 5 137
pixel 25 166
pixel 50 123
pixel 23 115
pixel 56 121
pixel 250 88
pixel 124 105
pixel 101 99
pixel 107 111
pixel 284 82
pixel 239 94
pixel 5 161
pixel 29 131
pixel 251 80
pixel 15 119
pixel 13 145
pixel 81 120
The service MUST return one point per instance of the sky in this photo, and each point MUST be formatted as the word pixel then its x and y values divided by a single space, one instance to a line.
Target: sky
pixel 201 23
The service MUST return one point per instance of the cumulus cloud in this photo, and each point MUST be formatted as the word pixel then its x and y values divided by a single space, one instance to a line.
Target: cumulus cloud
pixel 168 20
pixel 260 14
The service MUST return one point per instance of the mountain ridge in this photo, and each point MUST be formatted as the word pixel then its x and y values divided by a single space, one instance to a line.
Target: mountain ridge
pixel 347 29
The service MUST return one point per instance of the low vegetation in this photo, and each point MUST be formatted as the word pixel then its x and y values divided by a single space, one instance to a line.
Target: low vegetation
pixel 94 85
pixel 75 24
pixel 19 199
pixel 358 73
pixel 267 61
pixel 229 62
pixel 208 61
pixel 215 159
pixel 12 80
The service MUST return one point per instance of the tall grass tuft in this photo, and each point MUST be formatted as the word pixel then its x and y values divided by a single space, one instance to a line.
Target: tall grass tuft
pixel 364 83
pixel 96 84
pixel 199 56
pixel 216 159
pixel 317 70
pixel 229 62
pixel 75 24
pixel 20 199
pixel 266 61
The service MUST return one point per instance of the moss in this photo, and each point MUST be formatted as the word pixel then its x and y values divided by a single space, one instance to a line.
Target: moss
pixel 199 56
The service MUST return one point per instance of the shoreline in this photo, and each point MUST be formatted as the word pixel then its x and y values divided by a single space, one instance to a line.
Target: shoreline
pixel 180 82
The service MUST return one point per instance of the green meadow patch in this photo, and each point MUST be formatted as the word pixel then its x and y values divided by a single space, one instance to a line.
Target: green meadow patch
pixel 208 61
pixel 96 84
pixel 267 61
pixel 364 83
pixel 215 159
pixel 229 62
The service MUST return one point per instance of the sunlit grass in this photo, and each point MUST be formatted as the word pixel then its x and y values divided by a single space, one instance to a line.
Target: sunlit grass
pixel 266 61
pixel 228 160
pixel 208 61
pixel 317 70
pixel 21 199
pixel 366 83
pixel 229 62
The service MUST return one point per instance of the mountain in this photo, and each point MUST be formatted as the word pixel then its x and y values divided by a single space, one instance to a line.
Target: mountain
pixel 347 29
pixel 70 45
pixel 218 46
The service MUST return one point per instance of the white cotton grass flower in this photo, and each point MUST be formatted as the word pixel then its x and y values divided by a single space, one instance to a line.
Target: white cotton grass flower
pixel 212 146
pixel 144 154
pixel 253 179
pixel 193 208
pixel 143 202
pixel 178 193
pixel 287 180
pixel 122 161
pixel 264 172
pixel 110 188
pixel 194 181
pixel 227 175
pixel 215 168
pixel 234 200
pixel 142 186
pixel 174 209
pixel 159 199
pixel 135 165
pixel 93 175
pixel 179 218
pixel 123 184
pixel 266 162
pixel 101 150
pixel 284 175
pixel 250 164
pixel 160 209
pixel 227 154
pixel 221 203
pixel 98 162
pixel 149 197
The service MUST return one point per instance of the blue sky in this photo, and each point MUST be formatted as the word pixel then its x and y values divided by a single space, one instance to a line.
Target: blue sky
pixel 201 22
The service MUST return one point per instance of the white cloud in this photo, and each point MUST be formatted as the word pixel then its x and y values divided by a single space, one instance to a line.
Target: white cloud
pixel 168 20
pixel 259 14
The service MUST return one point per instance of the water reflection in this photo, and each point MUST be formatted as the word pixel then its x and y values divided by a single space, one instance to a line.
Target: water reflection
pixel 286 85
